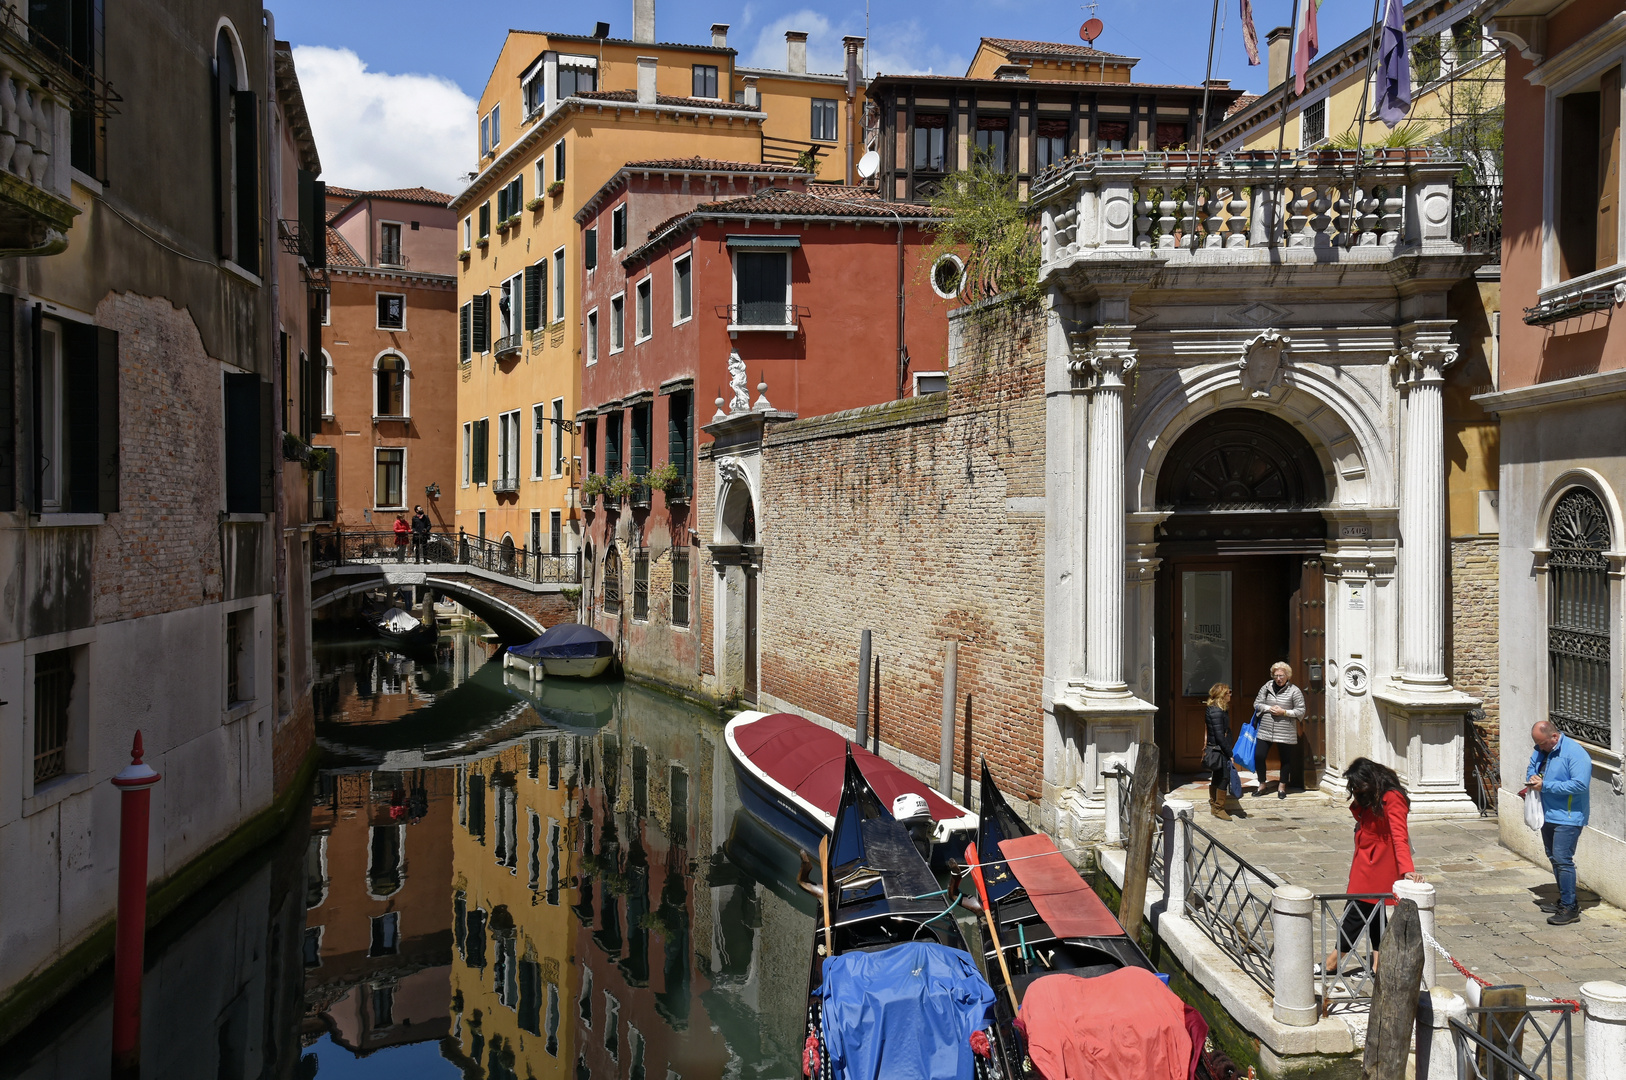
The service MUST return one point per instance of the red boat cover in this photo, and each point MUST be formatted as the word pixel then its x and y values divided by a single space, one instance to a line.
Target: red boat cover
pixel 1125 1025
pixel 1068 906
pixel 808 759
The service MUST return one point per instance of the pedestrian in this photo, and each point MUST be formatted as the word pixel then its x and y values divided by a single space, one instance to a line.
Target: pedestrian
pixel 420 534
pixel 1280 708
pixel 1217 750
pixel 402 531
pixel 1382 852
pixel 1560 774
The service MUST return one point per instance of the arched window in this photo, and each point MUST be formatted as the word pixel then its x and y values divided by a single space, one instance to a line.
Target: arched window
pixel 612 582
pixel 327 384
pixel 390 381
pixel 1578 618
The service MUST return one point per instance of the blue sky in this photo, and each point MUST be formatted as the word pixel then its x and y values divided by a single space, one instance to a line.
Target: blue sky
pixel 389 83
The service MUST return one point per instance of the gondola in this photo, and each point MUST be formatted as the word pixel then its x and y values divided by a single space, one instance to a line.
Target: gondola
pixel 1049 922
pixel 403 630
pixel 883 912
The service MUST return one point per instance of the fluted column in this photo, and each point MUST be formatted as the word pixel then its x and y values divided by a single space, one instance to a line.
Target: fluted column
pixel 1419 373
pixel 1108 364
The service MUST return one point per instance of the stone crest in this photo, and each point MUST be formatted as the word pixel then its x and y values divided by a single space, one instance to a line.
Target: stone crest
pixel 1263 358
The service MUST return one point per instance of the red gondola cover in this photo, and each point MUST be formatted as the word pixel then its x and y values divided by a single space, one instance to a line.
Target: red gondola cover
pixel 1125 1025
pixel 1068 906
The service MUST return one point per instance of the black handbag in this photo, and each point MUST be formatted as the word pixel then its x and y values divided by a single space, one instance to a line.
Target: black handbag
pixel 1214 758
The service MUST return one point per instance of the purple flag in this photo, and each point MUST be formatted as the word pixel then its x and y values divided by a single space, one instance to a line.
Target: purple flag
pixel 1250 36
pixel 1394 67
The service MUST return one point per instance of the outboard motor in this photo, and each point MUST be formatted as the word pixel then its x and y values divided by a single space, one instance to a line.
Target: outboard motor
pixel 914 815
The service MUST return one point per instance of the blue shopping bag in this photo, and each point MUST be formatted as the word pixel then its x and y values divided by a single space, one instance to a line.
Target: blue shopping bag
pixel 1247 744
pixel 1235 782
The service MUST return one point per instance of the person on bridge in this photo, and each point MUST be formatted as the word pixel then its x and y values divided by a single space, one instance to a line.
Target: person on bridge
pixel 402 531
pixel 1380 806
pixel 420 534
pixel 1560 775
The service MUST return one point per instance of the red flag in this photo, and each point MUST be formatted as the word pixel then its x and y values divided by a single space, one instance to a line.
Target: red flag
pixel 1309 45
pixel 1250 36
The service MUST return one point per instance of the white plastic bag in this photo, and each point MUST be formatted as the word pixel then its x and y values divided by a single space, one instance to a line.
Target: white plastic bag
pixel 1534 816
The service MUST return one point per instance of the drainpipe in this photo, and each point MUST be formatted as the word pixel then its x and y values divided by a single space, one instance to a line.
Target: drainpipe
pixel 903 350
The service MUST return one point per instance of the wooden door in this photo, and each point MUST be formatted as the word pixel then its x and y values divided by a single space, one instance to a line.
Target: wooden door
pixel 1309 661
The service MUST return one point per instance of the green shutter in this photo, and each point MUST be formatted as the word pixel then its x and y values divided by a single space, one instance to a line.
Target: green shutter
pixel 590 249
pixel 678 425
pixel 248 181
pixel 480 335
pixel 465 327
pixel 481 432
pixel 108 420
pixel 241 431
pixel 535 275
pixel 80 403
pixel 612 443
pixel 225 224
pixel 485 219
pixel 640 439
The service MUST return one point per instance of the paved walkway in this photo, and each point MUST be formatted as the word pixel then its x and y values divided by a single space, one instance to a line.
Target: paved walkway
pixel 1486 896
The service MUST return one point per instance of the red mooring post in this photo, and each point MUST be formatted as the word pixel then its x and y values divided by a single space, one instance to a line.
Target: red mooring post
pixel 135 783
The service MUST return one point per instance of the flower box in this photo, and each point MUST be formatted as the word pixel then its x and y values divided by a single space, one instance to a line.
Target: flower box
pixel 483 241
pixel 463 255
pixel 534 204
pixel 556 188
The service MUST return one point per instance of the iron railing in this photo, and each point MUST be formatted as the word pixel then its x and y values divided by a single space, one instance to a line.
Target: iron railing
pixel 1476 218
pixel 767 316
pixel 1121 776
pixel 1484 767
pixel 508 344
pixel 1230 900
pixel 1351 980
pixel 342 547
pixel 1515 1042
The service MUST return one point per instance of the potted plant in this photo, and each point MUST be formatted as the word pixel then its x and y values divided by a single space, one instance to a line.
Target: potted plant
pixel 639 492
pixel 463 256
pixel 534 204
pixel 666 479
pixel 482 242
pixel 593 485
pixel 618 487
pixel 556 188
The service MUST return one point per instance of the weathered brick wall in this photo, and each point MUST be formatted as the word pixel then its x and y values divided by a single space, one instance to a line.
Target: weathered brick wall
pixel 896 517
pixel 1475 635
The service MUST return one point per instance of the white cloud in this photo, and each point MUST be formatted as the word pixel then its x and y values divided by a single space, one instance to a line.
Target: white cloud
pixel 376 130
pixel 896 48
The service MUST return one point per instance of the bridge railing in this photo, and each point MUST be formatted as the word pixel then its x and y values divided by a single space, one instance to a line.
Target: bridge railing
pixel 375 547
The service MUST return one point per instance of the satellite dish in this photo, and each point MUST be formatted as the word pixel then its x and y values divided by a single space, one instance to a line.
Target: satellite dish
pixel 869 164
pixel 1091 30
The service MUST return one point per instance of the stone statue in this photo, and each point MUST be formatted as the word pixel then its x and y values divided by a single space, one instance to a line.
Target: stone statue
pixel 741 401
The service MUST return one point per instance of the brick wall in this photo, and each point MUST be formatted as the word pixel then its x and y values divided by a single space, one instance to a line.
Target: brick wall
pixel 1475 637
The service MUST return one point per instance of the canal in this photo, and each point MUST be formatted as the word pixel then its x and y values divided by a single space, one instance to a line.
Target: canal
pixel 495 879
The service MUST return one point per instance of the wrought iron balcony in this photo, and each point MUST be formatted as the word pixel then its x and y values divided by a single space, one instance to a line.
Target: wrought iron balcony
pixel 783 318
pixel 509 345
pixel 504 485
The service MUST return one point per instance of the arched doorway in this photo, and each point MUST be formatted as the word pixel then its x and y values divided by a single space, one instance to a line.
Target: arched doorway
pixel 737 556
pixel 1240 580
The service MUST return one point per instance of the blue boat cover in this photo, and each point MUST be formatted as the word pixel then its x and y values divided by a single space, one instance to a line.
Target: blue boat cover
pixel 567 641
pixel 905 1013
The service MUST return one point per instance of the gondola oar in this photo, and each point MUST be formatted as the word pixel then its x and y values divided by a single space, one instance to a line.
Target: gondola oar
pixel 993 927
pixel 824 881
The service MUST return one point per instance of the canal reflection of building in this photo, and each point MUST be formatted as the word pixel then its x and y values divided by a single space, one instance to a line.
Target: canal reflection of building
pixel 378 934
pixel 365 682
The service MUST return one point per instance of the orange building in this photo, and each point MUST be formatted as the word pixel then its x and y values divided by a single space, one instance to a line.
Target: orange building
pixel 389 356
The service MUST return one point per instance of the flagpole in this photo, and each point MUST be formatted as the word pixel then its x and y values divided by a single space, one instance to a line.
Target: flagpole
pixel 1202 124
pixel 1371 66
pixel 1292 58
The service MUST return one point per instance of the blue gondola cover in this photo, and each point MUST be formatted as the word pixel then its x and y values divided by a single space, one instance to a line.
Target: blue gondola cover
pixel 567 641
pixel 904 1013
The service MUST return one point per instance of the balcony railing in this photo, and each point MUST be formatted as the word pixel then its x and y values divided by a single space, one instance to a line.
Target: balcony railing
pixel 347 547
pixel 504 485
pixel 1476 211
pixel 509 344
pixel 763 316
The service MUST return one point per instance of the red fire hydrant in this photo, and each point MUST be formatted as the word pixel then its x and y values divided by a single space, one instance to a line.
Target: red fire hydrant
pixel 135 783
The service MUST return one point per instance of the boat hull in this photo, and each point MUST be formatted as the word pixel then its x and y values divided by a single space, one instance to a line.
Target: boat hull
pixel 583 667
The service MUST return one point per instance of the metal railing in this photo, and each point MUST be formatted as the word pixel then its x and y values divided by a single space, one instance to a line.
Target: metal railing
pixel 1476 217
pixel 1121 776
pixel 508 344
pixel 1230 900
pixel 1515 1042
pixel 765 315
pixel 1484 767
pixel 344 547
pixel 1341 925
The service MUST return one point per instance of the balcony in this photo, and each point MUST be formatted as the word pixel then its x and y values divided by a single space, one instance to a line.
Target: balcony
pixel 639 496
pixel 505 485
pixel 38 95
pixel 772 318
pixel 508 346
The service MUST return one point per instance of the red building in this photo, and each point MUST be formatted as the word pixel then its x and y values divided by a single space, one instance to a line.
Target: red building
pixel 690 300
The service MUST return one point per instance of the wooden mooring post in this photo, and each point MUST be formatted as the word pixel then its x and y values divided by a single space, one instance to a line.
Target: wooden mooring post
pixel 1143 812
pixel 1391 1031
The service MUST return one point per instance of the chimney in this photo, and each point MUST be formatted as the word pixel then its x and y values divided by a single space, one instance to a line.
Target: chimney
pixel 1009 72
pixel 719 35
pixel 1279 42
pixel 796 49
pixel 852 45
pixel 646 80
pixel 753 97
pixel 643 21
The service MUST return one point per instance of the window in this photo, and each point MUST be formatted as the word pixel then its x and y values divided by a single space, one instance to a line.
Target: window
pixel 53 698
pixel 558 162
pixel 682 289
pixel 948 275
pixel 76 415
pixel 468 232
pixel 510 199
pixel 592 336
pixel 536 545
pixel 485 219
pixel 1314 119
pixel 576 74
pixel 1172 136
pixel 313 946
pixel 248 433
pixel 389 244
pixel 680 586
pixel 530 975
pixel 386 935
pixel 590 249
pixel 612 582
pixel 541 175
pixel 590 445
pixel 468 454
pixel 1051 142
pixel 237 159
pixel 1425 60
pixel 824 120
pixel 491 131
pixel 555 532
pixel 705 81
pixel 480 517
pixel 1578 618
pixel 990 140
pixel 644 310
pixel 680 439
pixel 539 424
pixel 762 288
pixel 480 322
pixel 326 389
pixel 640 585
pixel 552 1045
pixel 391 378
pixel 639 452
pixel 324 308
pixel 584 1004
pixel 485 134
pixel 618 326
pixel 390 478
pixel 509 294
pixel 239 657
pixel 1112 135
pixel 1466 39
pixel 930 130
pixel 536 295
pixel 391 311
pixel 559 285
pixel 72 32
pixel 612 1025
pixel 1587 176
pixel 618 227
pixel 325 486
pixel 532 91
pixel 612 443
pixel 508 451
pixel 558 436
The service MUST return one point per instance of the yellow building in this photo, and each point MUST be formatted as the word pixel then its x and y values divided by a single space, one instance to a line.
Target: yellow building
pixel 559 115
pixel 1053 61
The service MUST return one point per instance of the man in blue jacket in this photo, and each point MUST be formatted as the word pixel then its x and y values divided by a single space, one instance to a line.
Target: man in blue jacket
pixel 1560 774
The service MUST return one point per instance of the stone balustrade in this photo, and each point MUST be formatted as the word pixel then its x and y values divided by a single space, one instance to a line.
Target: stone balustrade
pixel 1249 206
pixel 36 207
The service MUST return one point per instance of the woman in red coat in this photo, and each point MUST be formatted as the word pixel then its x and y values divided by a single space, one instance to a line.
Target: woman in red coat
pixel 1382 850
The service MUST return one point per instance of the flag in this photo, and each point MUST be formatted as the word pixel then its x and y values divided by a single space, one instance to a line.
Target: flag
pixel 1394 67
pixel 1250 36
pixel 1309 45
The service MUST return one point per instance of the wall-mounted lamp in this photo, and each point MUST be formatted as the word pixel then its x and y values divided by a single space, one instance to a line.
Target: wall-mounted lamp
pixel 433 491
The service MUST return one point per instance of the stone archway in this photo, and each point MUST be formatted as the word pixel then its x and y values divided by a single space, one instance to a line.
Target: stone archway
pixel 1244 459
pixel 736 556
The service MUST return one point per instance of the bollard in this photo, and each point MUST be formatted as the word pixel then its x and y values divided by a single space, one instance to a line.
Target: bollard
pixel 1293 963
pixel 1177 841
pixel 135 783
pixel 945 754
pixel 1605 1004
pixel 1443 1007
pixel 1421 893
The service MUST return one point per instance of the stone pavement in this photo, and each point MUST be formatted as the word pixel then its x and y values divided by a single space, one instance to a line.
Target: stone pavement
pixel 1486 896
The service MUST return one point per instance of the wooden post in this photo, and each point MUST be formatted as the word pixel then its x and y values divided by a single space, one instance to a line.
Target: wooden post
pixel 1391 1031
pixel 1143 811
pixel 1497 1029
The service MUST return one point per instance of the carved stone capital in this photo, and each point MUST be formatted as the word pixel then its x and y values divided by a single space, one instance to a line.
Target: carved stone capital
pixel 1424 361
pixel 1103 369
pixel 1263 358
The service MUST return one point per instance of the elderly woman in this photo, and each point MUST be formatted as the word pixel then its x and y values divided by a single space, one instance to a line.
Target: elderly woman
pixel 1279 705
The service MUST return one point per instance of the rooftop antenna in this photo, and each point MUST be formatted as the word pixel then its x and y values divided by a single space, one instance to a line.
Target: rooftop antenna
pixel 1092 26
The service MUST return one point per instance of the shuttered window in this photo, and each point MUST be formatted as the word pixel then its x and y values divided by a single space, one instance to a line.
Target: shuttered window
pixel 763 285
pixel 481 432
pixel 590 249
pixel 485 219
pixel 612 582
pixel 1588 180
pixel 680 431
pixel 237 160
pixel 76 419
pixel 480 323
pixel 612 443
pixel 640 439
pixel 536 286
pixel 465 329
pixel 618 227
pixel 248 431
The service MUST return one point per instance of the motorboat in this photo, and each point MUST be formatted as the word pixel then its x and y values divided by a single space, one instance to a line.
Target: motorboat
pixel 568 650
pixel 789 773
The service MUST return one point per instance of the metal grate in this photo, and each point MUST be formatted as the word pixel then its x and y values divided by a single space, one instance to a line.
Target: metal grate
pixel 612 583
pixel 1578 618
pixel 53 686
pixel 640 585
pixel 680 586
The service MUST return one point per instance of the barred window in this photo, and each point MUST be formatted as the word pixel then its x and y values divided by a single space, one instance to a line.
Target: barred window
pixel 680 586
pixel 640 585
pixel 53 684
pixel 612 582
pixel 1578 618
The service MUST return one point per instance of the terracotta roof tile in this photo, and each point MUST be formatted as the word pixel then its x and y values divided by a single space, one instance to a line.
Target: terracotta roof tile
pixel 339 251
pixel 825 200
pixel 663 99
pixel 427 196
pixel 1242 103
pixel 699 164
pixel 1050 49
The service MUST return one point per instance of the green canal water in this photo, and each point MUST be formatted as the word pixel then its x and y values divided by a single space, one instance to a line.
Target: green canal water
pixel 493 880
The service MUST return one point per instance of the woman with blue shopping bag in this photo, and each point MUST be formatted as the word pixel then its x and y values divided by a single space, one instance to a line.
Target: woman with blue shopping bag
pixel 1280 709
pixel 1217 750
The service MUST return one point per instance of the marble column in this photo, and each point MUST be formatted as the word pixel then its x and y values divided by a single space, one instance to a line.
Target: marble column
pixel 1420 374
pixel 1111 360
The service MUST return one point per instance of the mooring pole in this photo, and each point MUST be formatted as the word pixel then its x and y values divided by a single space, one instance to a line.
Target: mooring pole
pixel 945 754
pixel 861 726
pixel 135 784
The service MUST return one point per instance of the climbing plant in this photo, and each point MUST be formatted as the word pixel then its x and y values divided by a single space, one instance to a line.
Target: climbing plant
pixel 987 226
